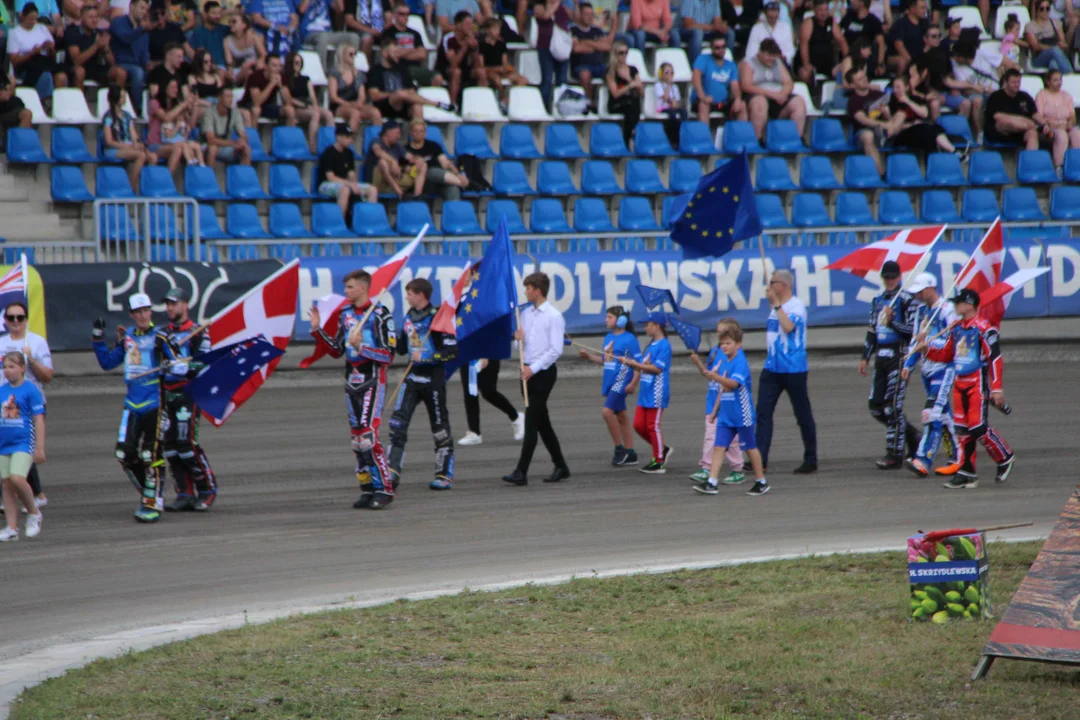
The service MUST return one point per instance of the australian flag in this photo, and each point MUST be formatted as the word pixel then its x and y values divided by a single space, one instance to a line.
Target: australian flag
pixel 721 212
pixel 227 369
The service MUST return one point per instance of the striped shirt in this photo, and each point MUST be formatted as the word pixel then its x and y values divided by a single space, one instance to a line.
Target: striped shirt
pixel 700 11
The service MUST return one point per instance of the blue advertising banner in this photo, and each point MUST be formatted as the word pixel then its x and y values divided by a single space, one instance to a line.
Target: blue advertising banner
pixel 584 285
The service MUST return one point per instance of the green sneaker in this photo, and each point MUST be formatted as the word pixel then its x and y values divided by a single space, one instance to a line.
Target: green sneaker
pixel 147 514
pixel 735 478
pixel 700 477
pixel 655 467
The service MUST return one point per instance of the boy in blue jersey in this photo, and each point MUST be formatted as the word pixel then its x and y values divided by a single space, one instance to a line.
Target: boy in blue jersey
pixel 22 443
pixel 734 412
pixel 734 453
pixel 137 446
pixel 619 381
pixel 655 369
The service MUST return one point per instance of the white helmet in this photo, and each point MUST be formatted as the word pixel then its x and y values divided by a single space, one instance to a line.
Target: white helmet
pixel 923 281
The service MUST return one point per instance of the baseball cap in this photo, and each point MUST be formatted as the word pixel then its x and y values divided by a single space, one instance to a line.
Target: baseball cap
pixel 343 129
pixel 967 295
pixel 138 301
pixel 656 316
pixel 177 295
pixel 923 281
pixel 891 269
pixel 951 20
pixel 772 6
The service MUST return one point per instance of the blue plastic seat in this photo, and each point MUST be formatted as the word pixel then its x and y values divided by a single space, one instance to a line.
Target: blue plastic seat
pixel 851 209
pixel 553 178
pixel 200 182
pixel 459 218
pixel 24 146
pixel 546 216
pixel 101 151
pixel 516 143
pixel 67 185
pixel 816 173
pixel 510 178
pixel 494 214
pixel 561 141
pixel 684 176
pixel 739 136
pixel 242 183
pixel 598 178
pixel 326 221
pixel 156 181
pixel 1020 203
pixel 244 252
pixel 434 134
pixel 289 143
pixel 695 139
pixel 672 208
pixel 161 221
pixel 286 222
pixel 1072 165
pixel 771 211
pixel 650 140
pixel 643 178
pixel 808 210
pixel 242 221
pixel 112 182
pixel 894 208
pixel 371 134
pixel 636 213
pixel 827 136
pixel 591 215
pixel 943 170
pixel 902 170
pixel 782 136
pixel 286 251
pixel 606 141
pixel 258 152
pixel 285 183
pixel 68 146
pixel 209 228
pixel 115 224
pixel 323 140
pixel 473 140
pixel 412 216
pixel 957 128
pixel 861 173
pixel 938 207
pixel 979 205
pixel 987 168
pixel 773 175
pixel 369 220
pixel 1035 166
pixel 1065 202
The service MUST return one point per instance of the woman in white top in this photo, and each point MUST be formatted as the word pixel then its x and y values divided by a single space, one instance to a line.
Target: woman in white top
pixel 1046 38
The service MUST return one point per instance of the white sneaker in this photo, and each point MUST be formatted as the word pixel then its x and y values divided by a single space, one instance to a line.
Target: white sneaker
pixel 9 535
pixel 470 438
pixel 41 501
pixel 519 427
pixel 159 504
pixel 33 525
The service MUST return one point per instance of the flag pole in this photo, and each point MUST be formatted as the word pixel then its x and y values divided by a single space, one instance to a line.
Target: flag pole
pixel 956 277
pixel 408 368
pixel 919 267
pixel 521 357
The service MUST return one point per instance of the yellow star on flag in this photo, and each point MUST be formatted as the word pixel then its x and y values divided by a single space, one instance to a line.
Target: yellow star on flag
pixel 719 233
pixel 712 189
pixel 468 307
pixel 474 293
pixel 704 233
pixel 736 198
pixel 725 191
pixel 696 197
pixel 731 231
pixel 693 227
pixel 459 321
pixel 690 204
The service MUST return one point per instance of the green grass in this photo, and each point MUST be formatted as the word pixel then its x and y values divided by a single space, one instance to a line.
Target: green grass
pixel 819 638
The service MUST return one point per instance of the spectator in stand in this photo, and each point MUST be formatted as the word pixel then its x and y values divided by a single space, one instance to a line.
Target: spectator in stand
pixel 766 82
pixel 495 60
pixel 277 21
pixel 969 85
pixel 391 167
pixel 32 51
pixel 304 102
pixel 443 176
pixel 266 95
pixel 651 21
pixel 316 27
pixel 858 57
pixel 907 37
pixel 163 33
pixel 88 54
pixel 1012 117
pixel 740 16
pixel 701 22
pixel 819 40
pixel 952 34
pixel 365 18
pixel 546 15
pixel 911 125
pixel 1046 40
pixel 345 91
pixel 121 138
pixel 772 26
pixel 859 22
pixel 337 179
pixel 183 13
pixel 926 77
pixel 204 81
pixel 223 131
pixel 456 57
pixel 48 15
pixel 130 44
pixel 172 117
pixel 13 112
pixel 244 49
pixel 626 91
pixel 211 34
pixel 118 8
pixel 669 103
pixel 405 48
pixel 868 110
pixel 171 69
pixel 1057 108
pixel 446 12
pixel 716 84
pixel 591 44
pixel 393 92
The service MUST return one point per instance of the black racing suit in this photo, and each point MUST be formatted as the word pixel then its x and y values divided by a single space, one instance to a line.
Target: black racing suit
pixel 890 341
pixel 426 382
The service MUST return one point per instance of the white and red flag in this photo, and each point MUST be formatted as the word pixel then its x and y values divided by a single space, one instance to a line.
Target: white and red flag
pixel 445 320
pixel 994 302
pixel 983 269
pixel 907 247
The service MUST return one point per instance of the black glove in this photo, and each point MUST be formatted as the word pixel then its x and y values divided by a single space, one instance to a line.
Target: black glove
pixel 98 332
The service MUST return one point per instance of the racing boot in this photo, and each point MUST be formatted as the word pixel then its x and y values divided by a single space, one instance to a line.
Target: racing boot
pixel 366 490
pixel 182 503
pixel 917 466
pixel 147 514
pixel 439 483
pixel 380 500
pixel 948 470
pixel 1003 470
pixel 395 478
pixel 962 481
pixel 890 462
pixel 206 499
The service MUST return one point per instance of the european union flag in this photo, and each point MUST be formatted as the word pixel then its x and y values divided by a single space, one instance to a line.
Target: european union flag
pixel 721 212
pixel 690 334
pixel 656 297
pixel 228 368
pixel 485 313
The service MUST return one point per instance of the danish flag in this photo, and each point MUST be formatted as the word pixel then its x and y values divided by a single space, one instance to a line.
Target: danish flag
pixel 983 269
pixel 444 320
pixel 994 302
pixel 907 247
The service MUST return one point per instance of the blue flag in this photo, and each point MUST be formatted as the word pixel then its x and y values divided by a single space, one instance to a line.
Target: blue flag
pixel 229 368
pixel 656 297
pixel 721 212
pixel 485 313
pixel 690 334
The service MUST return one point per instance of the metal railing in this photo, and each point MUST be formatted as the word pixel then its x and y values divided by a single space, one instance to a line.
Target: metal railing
pixel 147 229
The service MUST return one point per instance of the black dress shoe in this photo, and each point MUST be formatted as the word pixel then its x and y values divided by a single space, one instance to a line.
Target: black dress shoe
pixel 805 469
pixel 557 475
pixel 516 478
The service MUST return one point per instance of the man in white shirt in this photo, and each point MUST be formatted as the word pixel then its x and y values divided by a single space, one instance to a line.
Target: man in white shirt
pixel 771 26
pixel 540 339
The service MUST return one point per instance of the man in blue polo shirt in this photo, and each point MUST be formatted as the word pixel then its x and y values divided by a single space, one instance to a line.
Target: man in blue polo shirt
pixel 716 84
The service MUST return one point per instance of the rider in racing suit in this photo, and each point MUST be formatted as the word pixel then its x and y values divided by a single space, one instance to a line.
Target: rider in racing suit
pixel 933 316
pixel 426 382
pixel 366 337
pixel 137 446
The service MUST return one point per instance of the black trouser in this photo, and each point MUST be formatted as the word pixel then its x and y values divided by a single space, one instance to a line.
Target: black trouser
pixel 139 453
pixel 538 422
pixel 487 383
pixel 770 385
pixel 629 106
pixel 887 391
pixel 178 433
pixel 434 397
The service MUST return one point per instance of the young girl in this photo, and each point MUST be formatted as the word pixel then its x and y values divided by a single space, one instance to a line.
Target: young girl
pixel 22 443
pixel 669 103
pixel 655 369
pixel 121 138
pixel 619 381
pixel 734 454
pixel 171 119
pixel 734 412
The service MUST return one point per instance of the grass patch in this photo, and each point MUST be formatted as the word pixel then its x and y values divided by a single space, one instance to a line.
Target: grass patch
pixel 818 638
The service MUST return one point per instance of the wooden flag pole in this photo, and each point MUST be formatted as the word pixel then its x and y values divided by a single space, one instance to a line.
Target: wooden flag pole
pixel 521 356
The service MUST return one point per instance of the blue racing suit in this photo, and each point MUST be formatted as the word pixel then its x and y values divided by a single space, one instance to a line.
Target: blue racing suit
pixel 938 378
pixel 889 340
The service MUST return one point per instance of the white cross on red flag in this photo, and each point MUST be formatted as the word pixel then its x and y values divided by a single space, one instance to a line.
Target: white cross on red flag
pixel 983 269
pixel 907 247
pixel 994 302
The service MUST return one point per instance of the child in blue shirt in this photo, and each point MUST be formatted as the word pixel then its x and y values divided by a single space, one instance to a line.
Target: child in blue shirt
pixel 619 381
pixel 655 369
pixel 734 454
pixel 22 443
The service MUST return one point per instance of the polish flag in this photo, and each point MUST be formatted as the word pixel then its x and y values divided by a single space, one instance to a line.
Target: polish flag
pixel 995 301
pixel 445 320
pixel 983 269
pixel 329 307
pixel 387 275
pixel 907 247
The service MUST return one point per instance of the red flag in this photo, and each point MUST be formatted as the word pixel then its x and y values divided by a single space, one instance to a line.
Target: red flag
pixel 994 302
pixel 444 320
pixel 907 247
pixel 387 275
pixel 983 269
pixel 329 307
pixel 268 309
